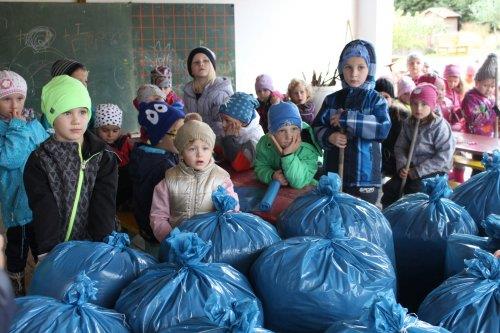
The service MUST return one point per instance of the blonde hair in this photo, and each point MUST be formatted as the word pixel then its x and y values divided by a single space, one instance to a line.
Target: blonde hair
pixel 295 83
pixel 200 84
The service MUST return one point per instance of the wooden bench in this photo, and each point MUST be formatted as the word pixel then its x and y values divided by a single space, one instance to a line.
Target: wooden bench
pixel 127 222
pixel 463 161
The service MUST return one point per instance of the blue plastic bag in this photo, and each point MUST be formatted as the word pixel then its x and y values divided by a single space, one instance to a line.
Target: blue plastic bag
pixel 74 314
pixel 469 301
pixel 237 238
pixel 173 292
pixel 112 264
pixel 7 307
pixel 308 283
pixel 237 316
pixel 461 247
pixel 421 224
pixel 384 315
pixel 480 195
pixel 309 215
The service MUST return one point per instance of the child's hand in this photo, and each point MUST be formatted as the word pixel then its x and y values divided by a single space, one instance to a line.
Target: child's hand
pixel 338 139
pixel 403 173
pixel 274 99
pixel 279 176
pixel 276 144
pixel 292 148
pixel 18 114
pixel 335 119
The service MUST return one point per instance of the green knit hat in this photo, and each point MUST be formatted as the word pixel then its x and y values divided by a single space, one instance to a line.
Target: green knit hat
pixel 62 94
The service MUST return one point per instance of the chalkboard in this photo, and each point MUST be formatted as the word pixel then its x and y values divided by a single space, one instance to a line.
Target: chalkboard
pixel 118 43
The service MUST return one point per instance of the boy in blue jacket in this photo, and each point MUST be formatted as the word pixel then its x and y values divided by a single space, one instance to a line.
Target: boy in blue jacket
pixel 355 119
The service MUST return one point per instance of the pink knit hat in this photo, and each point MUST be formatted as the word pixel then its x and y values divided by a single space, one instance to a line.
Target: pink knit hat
pixel 12 83
pixel 451 70
pixel 264 82
pixel 405 85
pixel 430 78
pixel 426 93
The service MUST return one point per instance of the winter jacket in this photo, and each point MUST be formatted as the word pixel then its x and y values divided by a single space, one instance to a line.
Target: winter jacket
pixel 240 150
pixel 185 192
pixel 398 116
pixel 299 167
pixel 122 147
pixel 479 113
pixel 207 105
pixel 18 139
pixel 307 111
pixel 71 191
pixel 434 147
pixel 147 168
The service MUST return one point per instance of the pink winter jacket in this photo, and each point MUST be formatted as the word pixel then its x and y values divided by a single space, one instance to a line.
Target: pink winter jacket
pixel 479 114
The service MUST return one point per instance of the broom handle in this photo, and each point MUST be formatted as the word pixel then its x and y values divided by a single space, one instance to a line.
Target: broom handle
pixel 410 154
pixel 496 98
pixel 341 164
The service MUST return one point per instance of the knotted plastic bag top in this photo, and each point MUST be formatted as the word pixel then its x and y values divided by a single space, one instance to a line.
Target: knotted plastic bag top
pixel 240 316
pixel 491 226
pixel 329 184
pixel 437 187
pixel 491 162
pixel 186 248
pixel 222 201
pixel 82 291
pixel 484 266
pixel 119 240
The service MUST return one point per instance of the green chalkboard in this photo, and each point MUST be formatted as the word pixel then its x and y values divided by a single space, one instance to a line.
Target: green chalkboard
pixel 118 43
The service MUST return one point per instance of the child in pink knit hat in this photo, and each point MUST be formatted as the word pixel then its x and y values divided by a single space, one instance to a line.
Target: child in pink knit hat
pixel 454 85
pixel 267 96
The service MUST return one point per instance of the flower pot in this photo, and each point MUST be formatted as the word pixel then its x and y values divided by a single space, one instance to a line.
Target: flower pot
pixel 319 94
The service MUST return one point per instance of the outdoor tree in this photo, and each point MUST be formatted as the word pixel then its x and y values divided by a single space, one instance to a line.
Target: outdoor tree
pixel 487 11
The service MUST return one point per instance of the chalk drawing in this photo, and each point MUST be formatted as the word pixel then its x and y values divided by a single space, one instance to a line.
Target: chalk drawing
pixel 40 38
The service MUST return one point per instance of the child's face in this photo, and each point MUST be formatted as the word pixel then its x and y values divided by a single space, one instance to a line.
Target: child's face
pixel 11 104
pixel 153 98
pixel 453 81
pixel 228 122
pixel 285 135
pixel 415 67
pixel 197 155
pixel 419 109
pixel 486 87
pixel 263 94
pixel 109 133
pixel 387 97
pixel 167 142
pixel 299 94
pixel 81 75
pixel 440 90
pixel 355 71
pixel 405 98
pixel 71 125
pixel 200 66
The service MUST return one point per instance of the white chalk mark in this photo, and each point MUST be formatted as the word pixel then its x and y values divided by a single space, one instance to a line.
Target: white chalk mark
pixel 40 38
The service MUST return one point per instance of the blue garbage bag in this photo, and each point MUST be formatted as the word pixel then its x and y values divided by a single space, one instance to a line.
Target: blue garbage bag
pixel 175 291
pixel 221 316
pixel 237 238
pixel 112 264
pixel 460 247
pixel 307 283
pixel 385 315
pixel 309 215
pixel 7 307
pixel 469 301
pixel 74 314
pixel 480 195
pixel 421 224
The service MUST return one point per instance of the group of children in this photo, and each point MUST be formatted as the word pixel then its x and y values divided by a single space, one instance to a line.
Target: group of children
pixel 73 179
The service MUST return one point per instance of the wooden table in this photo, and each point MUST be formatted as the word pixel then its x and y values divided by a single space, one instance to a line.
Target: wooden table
pixel 475 144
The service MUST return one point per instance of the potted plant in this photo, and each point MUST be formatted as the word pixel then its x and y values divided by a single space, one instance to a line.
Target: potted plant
pixel 322 85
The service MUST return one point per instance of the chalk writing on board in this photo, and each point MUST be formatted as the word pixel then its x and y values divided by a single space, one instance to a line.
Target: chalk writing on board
pixel 40 38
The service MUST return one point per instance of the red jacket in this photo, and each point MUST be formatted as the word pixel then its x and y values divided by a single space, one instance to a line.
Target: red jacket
pixel 122 147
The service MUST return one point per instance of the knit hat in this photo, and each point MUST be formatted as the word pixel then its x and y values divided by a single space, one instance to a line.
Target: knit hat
pixel 108 114
pixel 487 70
pixel 157 118
pixel 451 70
pixel 282 114
pixel 62 94
pixel 405 85
pixel 426 93
pixel 147 90
pixel 12 83
pixel 415 55
pixel 363 49
pixel 206 51
pixel 264 82
pixel 240 106
pixel 193 130
pixel 65 67
pixel 161 76
pixel 430 78
pixel 385 85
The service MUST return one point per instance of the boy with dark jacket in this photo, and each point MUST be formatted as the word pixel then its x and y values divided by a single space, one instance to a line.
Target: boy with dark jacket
pixel 71 179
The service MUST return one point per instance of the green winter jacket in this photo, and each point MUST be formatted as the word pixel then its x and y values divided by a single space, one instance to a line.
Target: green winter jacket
pixel 299 168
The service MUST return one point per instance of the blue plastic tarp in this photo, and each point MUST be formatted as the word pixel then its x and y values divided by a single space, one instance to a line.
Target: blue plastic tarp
pixel 311 213
pixel 469 301
pixel 421 224
pixel 237 238
pixel 480 195
pixel 73 314
pixel 308 283
pixel 112 264
pixel 176 291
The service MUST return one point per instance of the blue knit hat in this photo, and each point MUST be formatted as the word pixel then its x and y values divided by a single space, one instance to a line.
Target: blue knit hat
pixel 282 114
pixel 158 117
pixel 362 49
pixel 240 106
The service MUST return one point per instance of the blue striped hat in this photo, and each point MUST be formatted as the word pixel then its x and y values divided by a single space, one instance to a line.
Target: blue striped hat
pixel 365 50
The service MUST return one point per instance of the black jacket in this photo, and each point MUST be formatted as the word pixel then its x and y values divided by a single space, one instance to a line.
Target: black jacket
pixel 51 180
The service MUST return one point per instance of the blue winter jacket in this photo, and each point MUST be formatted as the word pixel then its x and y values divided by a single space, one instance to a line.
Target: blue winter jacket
pixel 18 139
